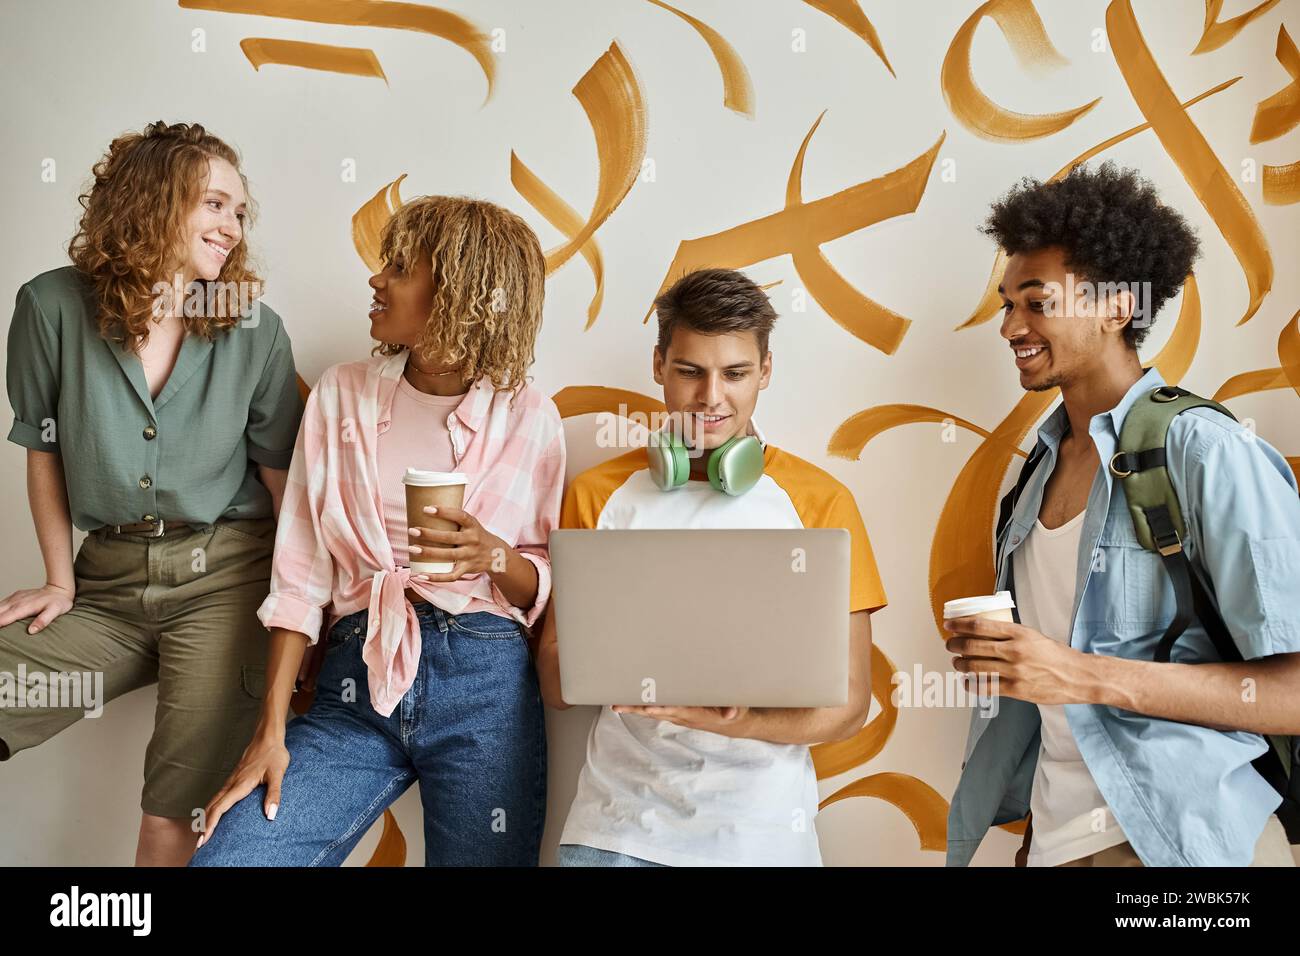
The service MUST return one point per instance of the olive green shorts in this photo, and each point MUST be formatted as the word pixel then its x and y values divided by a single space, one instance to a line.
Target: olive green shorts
pixel 179 610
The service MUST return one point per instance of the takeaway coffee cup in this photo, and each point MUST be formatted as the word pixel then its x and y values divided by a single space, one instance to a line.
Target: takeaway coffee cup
pixel 996 606
pixel 440 489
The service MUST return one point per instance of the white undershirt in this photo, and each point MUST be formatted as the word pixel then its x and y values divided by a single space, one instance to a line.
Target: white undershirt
pixel 1071 818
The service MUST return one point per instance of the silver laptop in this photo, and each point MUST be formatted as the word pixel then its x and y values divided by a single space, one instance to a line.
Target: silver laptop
pixel 746 617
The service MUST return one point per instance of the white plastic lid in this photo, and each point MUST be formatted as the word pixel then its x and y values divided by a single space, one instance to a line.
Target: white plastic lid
pixel 964 607
pixel 431 479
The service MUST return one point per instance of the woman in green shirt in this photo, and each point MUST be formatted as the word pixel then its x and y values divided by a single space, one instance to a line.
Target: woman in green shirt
pixel 157 399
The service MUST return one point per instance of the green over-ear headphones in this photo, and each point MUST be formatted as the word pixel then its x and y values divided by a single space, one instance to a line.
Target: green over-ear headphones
pixel 734 466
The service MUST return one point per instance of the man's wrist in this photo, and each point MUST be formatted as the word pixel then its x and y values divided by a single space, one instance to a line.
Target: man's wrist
pixel 1108 681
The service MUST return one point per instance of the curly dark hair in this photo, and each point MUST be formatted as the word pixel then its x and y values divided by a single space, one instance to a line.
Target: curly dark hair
pixel 1112 226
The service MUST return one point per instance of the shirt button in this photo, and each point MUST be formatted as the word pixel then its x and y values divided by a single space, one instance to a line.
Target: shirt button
pixel 146 481
pixel 150 433
pixel 1016 539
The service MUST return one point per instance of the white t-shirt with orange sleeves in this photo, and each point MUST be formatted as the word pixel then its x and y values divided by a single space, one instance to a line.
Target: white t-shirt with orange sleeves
pixel 683 797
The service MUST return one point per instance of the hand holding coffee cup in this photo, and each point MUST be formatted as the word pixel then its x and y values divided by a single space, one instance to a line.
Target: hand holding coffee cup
pixel 996 607
pixel 1026 664
pixel 447 543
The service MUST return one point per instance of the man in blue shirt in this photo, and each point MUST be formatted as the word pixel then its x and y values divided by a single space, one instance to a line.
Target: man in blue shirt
pixel 1122 760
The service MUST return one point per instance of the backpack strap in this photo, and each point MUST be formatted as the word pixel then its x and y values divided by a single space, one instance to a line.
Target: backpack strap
pixel 1154 508
pixel 1008 503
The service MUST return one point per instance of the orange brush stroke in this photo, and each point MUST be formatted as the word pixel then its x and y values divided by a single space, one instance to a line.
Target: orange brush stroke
pixel 1216 34
pixel 368 223
pixel 1248 383
pixel 854 432
pixel 1282 184
pixel 849 14
pixel 864 317
pixel 391 849
pixel 833 759
pixel 1288 351
pixel 370 13
pixel 921 803
pixel 737 89
pixel 612 98
pixel 1187 146
pixel 961 553
pixel 1280 113
pixel 1020 24
pixel 575 400
pixel 354 61
pixel 566 219
pixel 991 302
pixel 799 230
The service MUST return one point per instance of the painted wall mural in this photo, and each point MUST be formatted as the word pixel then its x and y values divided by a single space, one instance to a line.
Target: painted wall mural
pixel 614 99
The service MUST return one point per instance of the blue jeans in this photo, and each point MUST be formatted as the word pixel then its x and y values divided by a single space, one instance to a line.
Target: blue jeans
pixel 576 854
pixel 470 730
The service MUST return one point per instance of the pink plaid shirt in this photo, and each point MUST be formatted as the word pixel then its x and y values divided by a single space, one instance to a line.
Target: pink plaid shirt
pixel 332 550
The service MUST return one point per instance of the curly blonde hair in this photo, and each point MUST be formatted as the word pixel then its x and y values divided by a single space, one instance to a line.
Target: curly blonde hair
pixel 132 230
pixel 489 278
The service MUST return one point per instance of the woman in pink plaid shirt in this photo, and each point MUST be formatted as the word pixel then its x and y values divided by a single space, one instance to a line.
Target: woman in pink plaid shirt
pixel 426 677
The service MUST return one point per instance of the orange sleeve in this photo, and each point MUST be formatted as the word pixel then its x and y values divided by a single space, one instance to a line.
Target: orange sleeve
pixel 866 591
pixel 587 494
pixel 823 502
pixel 577 511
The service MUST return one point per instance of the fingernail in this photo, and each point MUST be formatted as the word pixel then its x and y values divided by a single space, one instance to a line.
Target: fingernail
pixel 270 811
pixel 414 548
pixel 413 531
pixel 203 838
pixel 430 509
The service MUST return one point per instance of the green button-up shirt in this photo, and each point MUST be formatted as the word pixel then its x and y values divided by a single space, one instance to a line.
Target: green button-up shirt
pixel 190 454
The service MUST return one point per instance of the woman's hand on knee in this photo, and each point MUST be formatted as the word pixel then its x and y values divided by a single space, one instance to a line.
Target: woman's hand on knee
pixel 44 603
pixel 264 762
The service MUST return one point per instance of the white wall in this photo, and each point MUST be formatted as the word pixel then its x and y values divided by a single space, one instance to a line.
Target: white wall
pixel 76 73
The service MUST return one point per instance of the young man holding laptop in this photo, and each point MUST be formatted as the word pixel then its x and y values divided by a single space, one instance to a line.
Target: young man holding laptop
pixel 729 785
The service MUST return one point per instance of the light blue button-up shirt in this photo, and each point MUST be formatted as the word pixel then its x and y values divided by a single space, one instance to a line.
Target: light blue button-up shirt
pixel 1184 795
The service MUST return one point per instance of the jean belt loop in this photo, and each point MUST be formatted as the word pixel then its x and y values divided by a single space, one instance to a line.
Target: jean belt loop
pixel 440 616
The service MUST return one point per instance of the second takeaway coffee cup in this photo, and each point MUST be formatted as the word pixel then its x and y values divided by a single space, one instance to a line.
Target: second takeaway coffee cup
pixel 997 606
pixel 440 489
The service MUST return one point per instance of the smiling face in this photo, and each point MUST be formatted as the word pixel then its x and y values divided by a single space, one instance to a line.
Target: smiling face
pixel 1058 334
pixel 713 380
pixel 403 300
pixel 216 225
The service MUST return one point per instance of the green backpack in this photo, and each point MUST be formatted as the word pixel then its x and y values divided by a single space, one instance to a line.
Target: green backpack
pixel 1158 521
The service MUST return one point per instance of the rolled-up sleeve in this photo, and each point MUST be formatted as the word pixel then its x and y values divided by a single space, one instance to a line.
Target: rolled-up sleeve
pixel 32 375
pixel 302 571
pixel 548 492
pixel 276 408
pixel 1239 499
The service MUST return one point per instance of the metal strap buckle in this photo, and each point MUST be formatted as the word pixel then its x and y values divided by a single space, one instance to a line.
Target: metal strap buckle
pixel 1115 471
pixel 1173 548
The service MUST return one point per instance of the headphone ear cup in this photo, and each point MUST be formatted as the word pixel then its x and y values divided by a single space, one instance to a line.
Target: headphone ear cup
pixel 716 458
pixel 669 465
pixel 736 465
